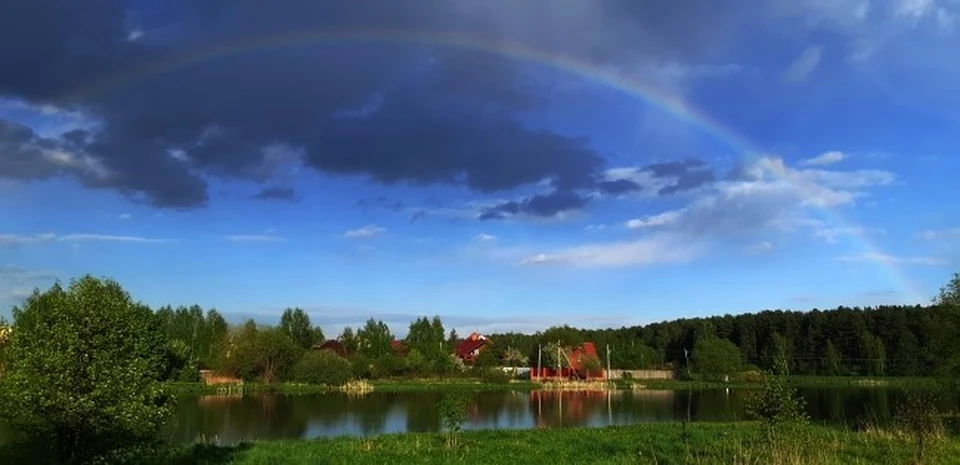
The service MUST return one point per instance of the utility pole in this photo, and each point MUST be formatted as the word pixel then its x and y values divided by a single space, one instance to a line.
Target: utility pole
pixel 539 358
pixel 608 363
pixel 559 362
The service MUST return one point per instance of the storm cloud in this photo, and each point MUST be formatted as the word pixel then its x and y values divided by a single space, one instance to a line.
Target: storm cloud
pixel 185 90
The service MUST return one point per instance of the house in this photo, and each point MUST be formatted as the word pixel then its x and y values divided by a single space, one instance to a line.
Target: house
pixel 334 346
pixel 399 348
pixel 577 361
pixel 469 348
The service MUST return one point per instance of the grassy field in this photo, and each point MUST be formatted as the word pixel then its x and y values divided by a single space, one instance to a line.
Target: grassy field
pixel 662 443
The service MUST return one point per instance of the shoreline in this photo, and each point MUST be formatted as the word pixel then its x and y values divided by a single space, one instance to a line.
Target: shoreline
pixel 476 385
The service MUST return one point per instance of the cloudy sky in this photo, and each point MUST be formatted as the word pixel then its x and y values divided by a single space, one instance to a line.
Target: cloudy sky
pixel 507 164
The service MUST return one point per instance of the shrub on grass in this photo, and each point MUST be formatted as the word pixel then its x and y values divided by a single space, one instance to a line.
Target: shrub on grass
pixel 494 376
pixel 323 367
pixel 82 377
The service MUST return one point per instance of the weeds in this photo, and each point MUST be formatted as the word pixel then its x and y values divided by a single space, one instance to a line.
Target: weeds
pixel 453 413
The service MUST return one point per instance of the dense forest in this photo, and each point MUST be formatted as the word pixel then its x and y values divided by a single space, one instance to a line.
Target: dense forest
pixel 886 340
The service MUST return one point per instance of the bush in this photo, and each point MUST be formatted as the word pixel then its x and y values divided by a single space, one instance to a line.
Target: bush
pixel 494 376
pixel 750 376
pixel 323 367
pixel 777 406
pixel 626 375
pixel 82 377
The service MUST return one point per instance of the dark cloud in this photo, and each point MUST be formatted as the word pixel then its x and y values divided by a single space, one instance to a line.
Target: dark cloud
pixel 197 95
pixel 686 174
pixel 538 205
pixel 619 186
pixel 276 193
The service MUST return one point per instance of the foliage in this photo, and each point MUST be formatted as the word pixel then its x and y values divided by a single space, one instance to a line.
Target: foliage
pixel 452 410
pixel 295 323
pixel 919 417
pixel 781 355
pixel 831 360
pixel 515 358
pixel 83 370
pixel 267 355
pixel 373 340
pixel 565 335
pixel 591 362
pixel 949 295
pixel 487 358
pixel 323 367
pixel 348 339
pixel 715 358
pixel 778 407
pixel 494 376
pixel 427 336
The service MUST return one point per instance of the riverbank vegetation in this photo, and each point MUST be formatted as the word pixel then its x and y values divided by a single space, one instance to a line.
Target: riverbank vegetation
pixel 82 369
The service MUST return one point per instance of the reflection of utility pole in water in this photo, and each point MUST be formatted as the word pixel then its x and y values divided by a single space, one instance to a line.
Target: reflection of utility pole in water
pixel 609 407
pixel 686 357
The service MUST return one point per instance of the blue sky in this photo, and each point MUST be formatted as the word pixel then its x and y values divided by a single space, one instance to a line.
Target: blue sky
pixel 381 178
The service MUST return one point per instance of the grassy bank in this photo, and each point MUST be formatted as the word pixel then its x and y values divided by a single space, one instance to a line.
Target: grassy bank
pixel 466 384
pixel 740 443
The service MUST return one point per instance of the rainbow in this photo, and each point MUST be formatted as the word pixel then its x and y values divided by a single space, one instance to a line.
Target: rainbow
pixel 607 77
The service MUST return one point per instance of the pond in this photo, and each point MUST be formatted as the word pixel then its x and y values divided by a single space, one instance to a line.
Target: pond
pixel 230 419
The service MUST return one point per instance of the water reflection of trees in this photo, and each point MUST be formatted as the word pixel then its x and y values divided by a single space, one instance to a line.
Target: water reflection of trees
pixel 268 416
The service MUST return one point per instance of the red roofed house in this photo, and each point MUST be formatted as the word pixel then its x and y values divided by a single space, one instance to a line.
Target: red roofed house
pixel 399 348
pixel 469 348
pixel 577 369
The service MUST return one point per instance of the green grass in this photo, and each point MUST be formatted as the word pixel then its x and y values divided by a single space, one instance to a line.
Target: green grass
pixel 793 381
pixel 695 443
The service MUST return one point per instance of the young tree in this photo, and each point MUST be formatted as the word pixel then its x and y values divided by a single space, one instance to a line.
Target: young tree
pixel 425 336
pixel 374 339
pixel 83 368
pixel 296 323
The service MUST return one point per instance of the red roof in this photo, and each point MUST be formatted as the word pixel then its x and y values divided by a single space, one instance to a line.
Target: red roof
pixel 472 343
pixel 398 347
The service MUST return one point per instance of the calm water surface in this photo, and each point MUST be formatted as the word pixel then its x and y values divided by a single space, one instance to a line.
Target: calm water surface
pixel 273 416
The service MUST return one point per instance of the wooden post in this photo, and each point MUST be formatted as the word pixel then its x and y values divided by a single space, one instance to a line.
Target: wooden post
pixel 608 363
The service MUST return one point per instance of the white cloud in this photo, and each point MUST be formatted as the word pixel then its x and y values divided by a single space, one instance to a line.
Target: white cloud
pixel 365 231
pixel 661 219
pixel 485 237
pixel 759 248
pixel 247 238
pixel 893 260
pixel 124 216
pixel 831 235
pixel 824 159
pixel 803 65
pixel 931 235
pixel 14 239
pixel 646 251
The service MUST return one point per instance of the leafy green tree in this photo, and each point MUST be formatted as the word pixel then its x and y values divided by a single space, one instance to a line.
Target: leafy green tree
pixel 83 371
pixel 374 339
pixel 323 367
pixel 949 295
pixel 276 355
pixel 453 339
pixel 217 331
pixel 781 354
pixel 566 335
pixel 296 324
pixel 872 354
pixel 426 336
pixel 349 340
pixel 715 357
pixel 515 358
pixel 832 363
pixel 487 358
pixel 265 354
